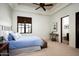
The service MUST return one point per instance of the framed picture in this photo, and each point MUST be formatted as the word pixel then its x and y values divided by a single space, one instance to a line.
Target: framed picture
pixel 66 26
pixel 54 27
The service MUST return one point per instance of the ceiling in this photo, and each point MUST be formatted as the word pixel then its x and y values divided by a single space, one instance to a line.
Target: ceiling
pixel 35 6
pixel 30 7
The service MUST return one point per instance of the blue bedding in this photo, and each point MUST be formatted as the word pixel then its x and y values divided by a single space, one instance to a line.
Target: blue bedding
pixel 24 42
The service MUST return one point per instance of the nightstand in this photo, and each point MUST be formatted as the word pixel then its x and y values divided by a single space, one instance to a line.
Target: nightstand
pixel 4 48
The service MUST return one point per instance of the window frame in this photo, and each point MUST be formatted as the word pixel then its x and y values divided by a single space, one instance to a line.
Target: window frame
pixel 24 26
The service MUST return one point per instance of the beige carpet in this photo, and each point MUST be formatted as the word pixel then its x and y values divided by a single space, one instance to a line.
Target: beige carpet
pixel 54 49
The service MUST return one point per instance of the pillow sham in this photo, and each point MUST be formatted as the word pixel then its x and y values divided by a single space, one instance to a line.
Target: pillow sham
pixel 10 37
pixel 6 34
pixel 14 35
pixel 1 33
pixel 18 35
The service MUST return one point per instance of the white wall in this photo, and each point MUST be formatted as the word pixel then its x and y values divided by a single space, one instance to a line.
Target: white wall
pixel 5 14
pixel 68 10
pixel 40 23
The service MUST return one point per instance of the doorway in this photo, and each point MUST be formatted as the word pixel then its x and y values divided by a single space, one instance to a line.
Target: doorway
pixel 65 29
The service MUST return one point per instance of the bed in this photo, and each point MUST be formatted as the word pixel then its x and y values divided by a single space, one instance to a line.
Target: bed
pixel 28 42
pixel 24 42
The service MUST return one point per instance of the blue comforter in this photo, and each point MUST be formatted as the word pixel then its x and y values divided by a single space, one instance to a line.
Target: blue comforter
pixel 23 42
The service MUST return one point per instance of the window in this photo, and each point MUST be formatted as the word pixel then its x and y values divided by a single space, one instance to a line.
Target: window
pixel 24 24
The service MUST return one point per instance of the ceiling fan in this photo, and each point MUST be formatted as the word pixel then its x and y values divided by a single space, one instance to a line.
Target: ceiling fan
pixel 42 5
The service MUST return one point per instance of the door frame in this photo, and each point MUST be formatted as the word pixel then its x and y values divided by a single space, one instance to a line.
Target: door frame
pixel 61 25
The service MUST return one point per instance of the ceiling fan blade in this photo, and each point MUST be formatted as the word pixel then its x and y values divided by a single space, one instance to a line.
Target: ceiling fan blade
pixel 35 3
pixel 49 5
pixel 37 8
pixel 44 9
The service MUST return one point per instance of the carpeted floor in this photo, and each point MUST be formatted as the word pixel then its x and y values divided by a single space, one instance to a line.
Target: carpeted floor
pixel 54 49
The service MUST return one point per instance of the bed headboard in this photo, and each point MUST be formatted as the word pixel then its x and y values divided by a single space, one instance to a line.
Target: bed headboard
pixel 5 28
pixel 1 27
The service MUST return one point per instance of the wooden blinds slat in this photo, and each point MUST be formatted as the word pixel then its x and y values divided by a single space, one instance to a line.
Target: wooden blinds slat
pixel 24 19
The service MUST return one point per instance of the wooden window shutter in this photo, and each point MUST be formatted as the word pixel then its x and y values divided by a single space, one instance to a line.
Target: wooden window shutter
pixel 21 19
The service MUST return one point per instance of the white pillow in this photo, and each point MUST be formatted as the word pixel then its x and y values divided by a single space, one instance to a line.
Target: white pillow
pixel 1 33
pixel 5 34
pixel 18 35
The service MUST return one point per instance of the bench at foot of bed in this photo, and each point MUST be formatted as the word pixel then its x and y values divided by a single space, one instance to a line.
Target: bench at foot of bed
pixel 44 45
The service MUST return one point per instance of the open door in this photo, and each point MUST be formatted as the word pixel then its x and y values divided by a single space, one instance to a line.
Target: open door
pixel 65 30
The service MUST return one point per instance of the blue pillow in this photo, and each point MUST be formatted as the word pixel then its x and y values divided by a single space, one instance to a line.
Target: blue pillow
pixel 10 37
